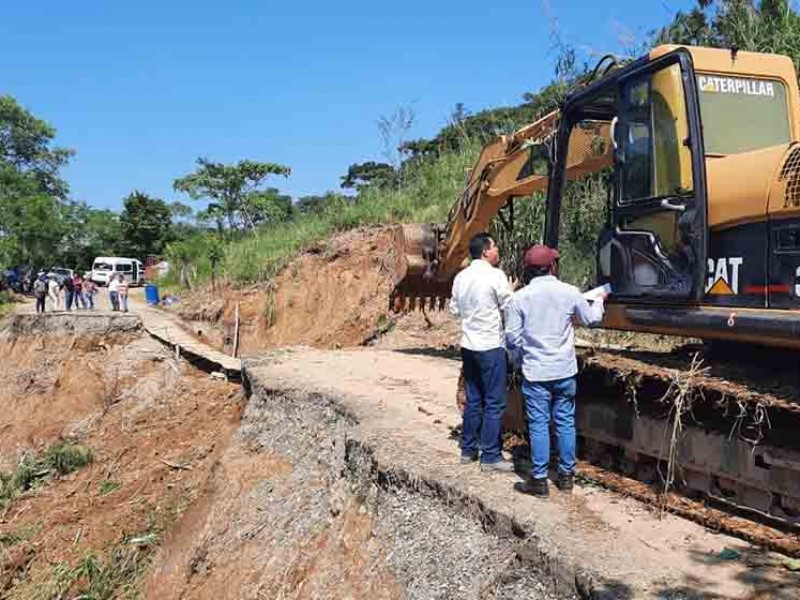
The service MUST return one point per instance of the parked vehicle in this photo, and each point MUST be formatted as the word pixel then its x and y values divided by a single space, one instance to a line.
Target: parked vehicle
pixel 61 274
pixel 104 267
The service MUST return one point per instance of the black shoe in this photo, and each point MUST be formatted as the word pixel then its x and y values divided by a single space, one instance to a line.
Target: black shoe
pixel 533 487
pixel 565 482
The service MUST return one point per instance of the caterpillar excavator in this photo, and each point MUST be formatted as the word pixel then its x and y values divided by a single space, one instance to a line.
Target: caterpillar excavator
pixel 700 151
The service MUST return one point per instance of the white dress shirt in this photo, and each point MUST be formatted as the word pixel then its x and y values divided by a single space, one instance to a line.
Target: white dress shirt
pixel 480 294
pixel 539 327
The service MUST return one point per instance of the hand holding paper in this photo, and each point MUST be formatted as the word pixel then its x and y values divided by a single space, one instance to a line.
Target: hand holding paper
pixel 597 293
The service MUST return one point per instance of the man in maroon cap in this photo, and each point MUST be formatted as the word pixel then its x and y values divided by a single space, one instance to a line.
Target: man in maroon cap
pixel 540 335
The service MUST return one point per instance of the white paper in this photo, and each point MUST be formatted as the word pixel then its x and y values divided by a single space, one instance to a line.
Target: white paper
pixel 598 292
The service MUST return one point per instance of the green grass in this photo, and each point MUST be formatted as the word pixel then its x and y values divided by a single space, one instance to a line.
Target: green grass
pixel 115 574
pixel 60 459
pixel 22 535
pixel 108 487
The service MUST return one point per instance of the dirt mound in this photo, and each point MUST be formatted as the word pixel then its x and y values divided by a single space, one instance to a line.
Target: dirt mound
pixel 334 295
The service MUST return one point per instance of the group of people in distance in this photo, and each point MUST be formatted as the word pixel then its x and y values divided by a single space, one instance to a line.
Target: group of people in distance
pixel 77 292
pixel 533 327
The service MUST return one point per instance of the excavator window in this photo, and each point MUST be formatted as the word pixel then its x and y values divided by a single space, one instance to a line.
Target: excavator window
pixel 654 162
pixel 635 182
pixel 741 114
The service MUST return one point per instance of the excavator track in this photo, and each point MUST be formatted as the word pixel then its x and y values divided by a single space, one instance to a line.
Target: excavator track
pixel 732 459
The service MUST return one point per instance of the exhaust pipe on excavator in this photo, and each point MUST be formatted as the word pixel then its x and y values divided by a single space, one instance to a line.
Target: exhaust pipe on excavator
pixel 415 281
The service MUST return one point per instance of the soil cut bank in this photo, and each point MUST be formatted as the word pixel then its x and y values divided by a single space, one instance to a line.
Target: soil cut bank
pixel 334 295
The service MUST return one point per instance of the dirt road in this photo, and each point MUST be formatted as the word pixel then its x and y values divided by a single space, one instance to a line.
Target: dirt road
pixel 402 411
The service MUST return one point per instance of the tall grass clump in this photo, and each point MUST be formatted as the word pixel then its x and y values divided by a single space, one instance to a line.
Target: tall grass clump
pixel 60 459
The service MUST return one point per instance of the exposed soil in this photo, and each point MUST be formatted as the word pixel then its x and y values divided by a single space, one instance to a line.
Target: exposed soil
pixel 296 511
pixel 334 295
pixel 155 429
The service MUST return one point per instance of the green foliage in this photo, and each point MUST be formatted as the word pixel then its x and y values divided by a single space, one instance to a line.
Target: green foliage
pixel 114 575
pixel 65 457
pixel 429 188
pixel 32 195
pixel 6 302
pixel 21 535
pixel 107 487
pixel 267 206
pixel 25 147
pixel 319 204
pixel 145 223
pixel 229 188
pixel 361 175
pixel 760 26
pixel 60 459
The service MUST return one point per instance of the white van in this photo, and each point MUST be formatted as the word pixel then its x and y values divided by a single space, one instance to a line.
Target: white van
pixel 104 267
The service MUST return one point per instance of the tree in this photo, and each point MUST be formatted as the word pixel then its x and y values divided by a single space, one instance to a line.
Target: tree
pixel 32 207
pixel 370 173
pixel 179 210
pixel 145 223
pixel 267 206
pixel 25 147
pixel 89 233
pixel 229 186
pixel 317 205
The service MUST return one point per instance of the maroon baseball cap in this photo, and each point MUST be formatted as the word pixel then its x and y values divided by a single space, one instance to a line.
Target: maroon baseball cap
pixel 539 256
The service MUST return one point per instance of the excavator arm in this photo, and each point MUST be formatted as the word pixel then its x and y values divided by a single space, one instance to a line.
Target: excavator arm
pixel 427 257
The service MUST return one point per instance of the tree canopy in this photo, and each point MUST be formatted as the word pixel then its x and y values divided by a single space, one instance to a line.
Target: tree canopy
pixel 232 189
pixel 145 224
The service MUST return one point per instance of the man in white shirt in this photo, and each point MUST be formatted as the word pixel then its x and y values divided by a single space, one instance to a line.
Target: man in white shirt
pixel 540 333
pixel 113 292
pixel 480 293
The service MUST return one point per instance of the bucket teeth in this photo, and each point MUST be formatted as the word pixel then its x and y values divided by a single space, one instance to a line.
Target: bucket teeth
pixel 400 303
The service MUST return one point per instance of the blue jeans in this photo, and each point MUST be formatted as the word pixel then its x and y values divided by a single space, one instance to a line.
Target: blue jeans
pixel 485 383
pixel 542 399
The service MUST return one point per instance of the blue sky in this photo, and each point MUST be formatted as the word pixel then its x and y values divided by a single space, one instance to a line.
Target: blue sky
pixel 141 89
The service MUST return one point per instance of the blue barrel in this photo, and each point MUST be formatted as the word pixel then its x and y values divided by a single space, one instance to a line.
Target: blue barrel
pixel 151 293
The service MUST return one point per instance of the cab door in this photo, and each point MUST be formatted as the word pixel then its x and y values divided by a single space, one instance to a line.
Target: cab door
pixel 655 244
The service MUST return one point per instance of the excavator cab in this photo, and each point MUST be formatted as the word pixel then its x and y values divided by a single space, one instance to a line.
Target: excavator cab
pixel 653 245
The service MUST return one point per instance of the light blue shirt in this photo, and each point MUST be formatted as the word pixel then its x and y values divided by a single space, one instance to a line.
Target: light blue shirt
pixel 539 327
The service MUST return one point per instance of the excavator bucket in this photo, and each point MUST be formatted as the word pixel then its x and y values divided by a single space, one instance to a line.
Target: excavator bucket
pixel 415 285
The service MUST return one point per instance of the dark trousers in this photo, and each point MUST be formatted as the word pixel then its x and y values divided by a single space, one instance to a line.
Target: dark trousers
pixel 485 383
pixel 69 297
pixel 40 302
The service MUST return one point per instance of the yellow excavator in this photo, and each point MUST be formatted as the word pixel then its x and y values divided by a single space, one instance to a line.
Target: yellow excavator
pixel 702 223
pixel 697 151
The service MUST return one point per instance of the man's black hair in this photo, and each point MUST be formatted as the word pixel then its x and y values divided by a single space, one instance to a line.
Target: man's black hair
pixel 479 244
pixel 530 273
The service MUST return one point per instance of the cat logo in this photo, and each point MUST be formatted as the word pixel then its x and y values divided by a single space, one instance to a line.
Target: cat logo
pixel 723 276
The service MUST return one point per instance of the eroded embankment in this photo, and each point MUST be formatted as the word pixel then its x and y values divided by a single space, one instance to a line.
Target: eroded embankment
pixel 298 508
pixel 153 427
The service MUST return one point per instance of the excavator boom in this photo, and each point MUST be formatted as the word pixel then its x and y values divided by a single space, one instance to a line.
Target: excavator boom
pixel 428 256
